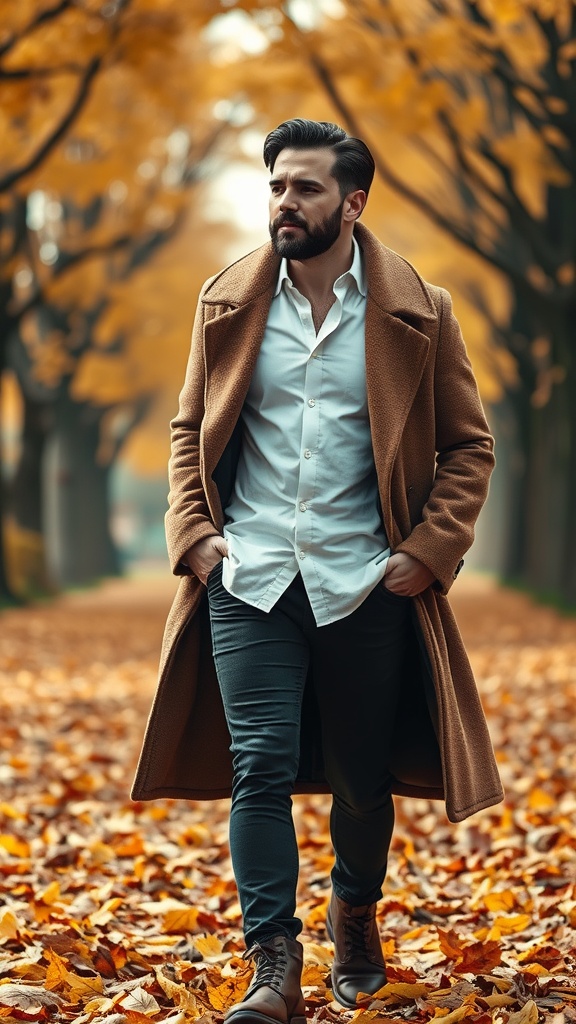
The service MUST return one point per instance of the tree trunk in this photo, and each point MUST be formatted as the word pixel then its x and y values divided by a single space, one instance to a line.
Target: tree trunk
pixel 569 562
pixel 28 555
pixel 541 518
pixel 77 499
pixel 7 594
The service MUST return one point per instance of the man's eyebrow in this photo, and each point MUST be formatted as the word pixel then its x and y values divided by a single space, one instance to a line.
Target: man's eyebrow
pixel 297 181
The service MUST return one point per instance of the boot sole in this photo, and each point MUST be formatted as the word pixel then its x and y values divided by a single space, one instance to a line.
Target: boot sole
pixel 254 1017
pixel 342 1001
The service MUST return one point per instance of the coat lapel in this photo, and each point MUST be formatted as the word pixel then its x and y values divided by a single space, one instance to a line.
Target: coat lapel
pixel 236 305
pixel 396 354
pixel 232 343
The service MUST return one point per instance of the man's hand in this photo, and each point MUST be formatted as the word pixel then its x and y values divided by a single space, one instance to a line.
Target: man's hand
pixel 406 576
pixel 205 554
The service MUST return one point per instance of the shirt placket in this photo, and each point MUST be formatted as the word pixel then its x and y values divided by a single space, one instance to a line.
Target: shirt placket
pixel 310 472
pixel 309 458
pixel 304 497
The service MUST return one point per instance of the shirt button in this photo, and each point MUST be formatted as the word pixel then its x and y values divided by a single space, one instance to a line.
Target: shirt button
pixel 303 506
pixel 301 554
pixel 311 402
pixel 307 453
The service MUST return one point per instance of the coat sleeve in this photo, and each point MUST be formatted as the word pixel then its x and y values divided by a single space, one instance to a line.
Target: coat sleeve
pixel 188 518
pixel 464 459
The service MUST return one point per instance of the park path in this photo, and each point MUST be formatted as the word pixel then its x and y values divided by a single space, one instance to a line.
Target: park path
pixel 118 912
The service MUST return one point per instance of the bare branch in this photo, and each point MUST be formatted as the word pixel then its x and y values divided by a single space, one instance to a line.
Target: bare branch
pixel 58 132
pixel 24 74
pixel 48 15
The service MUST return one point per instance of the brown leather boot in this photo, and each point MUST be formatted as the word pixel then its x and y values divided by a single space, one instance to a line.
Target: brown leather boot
pixel 274 996
pixel 358 961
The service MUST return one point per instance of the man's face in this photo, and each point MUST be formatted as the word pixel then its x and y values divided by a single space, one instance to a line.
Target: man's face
pixel 305 203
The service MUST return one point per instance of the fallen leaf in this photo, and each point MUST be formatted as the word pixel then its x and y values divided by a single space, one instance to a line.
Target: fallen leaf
pixel 527 1015
pixel 140 1001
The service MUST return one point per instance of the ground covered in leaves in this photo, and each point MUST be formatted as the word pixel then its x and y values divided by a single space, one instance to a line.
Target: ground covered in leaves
pixel 120 913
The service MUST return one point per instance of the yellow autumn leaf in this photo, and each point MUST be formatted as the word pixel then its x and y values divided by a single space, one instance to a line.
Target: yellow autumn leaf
pixel 10 926
pixel 401 990
pixel 105 913
pixel 512 924
pixel 540 800
pixel 14 846
pixel 57 972
pixel 452 1016
pixel 496 901
pixel 223 996
pixel 314 974
pixel 83 987
pixel 182 920
pixel 50 895
pixel 180 995
pixel 208 945
pixel 9 811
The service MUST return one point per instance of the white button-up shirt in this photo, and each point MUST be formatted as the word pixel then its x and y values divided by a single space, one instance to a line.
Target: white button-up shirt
pixel 306 494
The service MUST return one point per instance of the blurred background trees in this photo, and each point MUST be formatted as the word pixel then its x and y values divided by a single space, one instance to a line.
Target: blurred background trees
pixel 119 119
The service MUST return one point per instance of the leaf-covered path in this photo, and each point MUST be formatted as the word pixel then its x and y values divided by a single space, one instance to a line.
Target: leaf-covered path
pixel 119 913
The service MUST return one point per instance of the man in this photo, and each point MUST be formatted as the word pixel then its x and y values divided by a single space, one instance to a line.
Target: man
pixel 329 459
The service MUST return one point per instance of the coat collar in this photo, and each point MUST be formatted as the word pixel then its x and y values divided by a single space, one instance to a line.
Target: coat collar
pixel 393 283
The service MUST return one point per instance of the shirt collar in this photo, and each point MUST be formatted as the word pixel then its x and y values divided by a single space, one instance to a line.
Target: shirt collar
pixel 356 272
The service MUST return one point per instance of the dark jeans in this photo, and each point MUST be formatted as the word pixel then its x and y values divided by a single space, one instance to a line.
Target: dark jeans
pixel 262 661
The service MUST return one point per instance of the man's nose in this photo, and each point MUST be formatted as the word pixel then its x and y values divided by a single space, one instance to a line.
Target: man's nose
pixel 289 201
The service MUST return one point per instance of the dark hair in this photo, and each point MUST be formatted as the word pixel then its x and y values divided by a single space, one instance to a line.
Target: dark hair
pixel 354 164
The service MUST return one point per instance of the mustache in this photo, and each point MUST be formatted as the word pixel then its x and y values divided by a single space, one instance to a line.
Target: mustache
pixel 285 219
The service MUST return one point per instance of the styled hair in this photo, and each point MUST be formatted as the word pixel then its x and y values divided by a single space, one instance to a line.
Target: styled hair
pixel 353 165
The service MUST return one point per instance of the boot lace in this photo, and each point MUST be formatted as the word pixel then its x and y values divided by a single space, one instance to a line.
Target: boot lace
pixel 270 966
pixel 357 936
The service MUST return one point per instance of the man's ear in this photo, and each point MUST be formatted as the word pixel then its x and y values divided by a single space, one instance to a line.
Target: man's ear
pixel 354 204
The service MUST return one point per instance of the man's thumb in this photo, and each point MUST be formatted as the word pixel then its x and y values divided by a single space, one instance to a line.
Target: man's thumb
pixel 391 563
pixel 221 546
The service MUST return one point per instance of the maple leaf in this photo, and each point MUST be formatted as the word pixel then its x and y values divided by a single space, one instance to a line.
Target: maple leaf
pixel 450 944
pixel 479 958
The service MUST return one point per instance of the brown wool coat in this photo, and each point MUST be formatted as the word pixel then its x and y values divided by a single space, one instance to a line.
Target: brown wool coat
pixel 433 456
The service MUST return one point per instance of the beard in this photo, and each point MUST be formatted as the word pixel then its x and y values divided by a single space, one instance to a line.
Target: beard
pixel 314 242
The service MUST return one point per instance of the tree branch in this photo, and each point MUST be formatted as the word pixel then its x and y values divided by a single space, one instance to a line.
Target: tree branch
pixel 58 133
pixel 47 15
pixel 23 74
